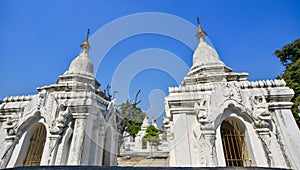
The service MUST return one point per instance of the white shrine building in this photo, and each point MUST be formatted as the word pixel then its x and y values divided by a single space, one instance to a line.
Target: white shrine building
pixel 138 145
pixel 216 118
pixel 70 122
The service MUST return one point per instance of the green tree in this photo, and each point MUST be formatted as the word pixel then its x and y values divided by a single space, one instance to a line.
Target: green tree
pixel 132 112
pixel 131 121
pixel 132 118
pixel 289 56
pixel 133 128
pixel 151 136
pixel 289 53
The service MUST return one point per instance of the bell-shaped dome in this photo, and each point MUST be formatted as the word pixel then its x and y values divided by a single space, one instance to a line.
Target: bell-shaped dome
pixel 205 54
pixel 207 66
pixel 82 65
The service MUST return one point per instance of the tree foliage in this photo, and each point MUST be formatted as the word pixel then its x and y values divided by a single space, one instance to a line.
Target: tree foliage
pixel 151 135
pixel 290 53
pixel 132 118
pixel 133 128
pixel 289 56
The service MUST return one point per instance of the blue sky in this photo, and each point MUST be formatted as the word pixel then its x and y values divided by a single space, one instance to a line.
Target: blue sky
pixel 39 39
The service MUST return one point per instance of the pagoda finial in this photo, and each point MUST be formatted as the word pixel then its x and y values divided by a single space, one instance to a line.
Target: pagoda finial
pixel 85 46
pixel 87 34
pixel 200 33
pixel 198 21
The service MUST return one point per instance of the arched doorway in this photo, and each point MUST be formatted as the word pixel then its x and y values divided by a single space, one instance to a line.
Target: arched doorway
pixel 36 146
pixel 234 144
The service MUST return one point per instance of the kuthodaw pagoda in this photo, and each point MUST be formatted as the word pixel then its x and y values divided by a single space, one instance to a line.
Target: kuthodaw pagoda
pixel 67 123
pixel 216 118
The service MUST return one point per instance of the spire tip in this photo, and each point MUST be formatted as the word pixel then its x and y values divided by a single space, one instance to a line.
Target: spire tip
pixel 85 46
pixel 88 34
pixel 200 33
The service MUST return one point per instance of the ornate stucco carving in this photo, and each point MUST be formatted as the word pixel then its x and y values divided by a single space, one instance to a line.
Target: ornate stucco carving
pixel 62 120
pixel 261 113
pixel 201 111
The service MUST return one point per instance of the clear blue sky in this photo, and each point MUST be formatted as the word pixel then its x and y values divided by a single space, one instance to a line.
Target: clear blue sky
pixel 39 39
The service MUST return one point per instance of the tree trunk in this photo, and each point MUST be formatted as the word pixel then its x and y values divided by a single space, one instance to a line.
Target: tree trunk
pixel 120 143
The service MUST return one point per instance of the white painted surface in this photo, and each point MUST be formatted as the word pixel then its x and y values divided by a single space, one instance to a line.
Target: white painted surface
pixel 210 93
pixel 72 103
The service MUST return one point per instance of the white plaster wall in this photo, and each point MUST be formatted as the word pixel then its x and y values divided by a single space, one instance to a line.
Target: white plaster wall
pixel 172 151
pixel 192 123
pixel 16 152
pixel 101 139
pixel 87 142
pixel 2 135
pixel 255 148
pixel 290 136
pixel 77 142
pixel 63 150
pixel 181 140
pixel 107 146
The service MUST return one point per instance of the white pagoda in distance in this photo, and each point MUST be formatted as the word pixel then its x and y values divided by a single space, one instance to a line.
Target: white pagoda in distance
pixel 138 145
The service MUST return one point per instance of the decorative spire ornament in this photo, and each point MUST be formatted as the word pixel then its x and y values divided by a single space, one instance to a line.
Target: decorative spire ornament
pixel 85 46
pixel 200 33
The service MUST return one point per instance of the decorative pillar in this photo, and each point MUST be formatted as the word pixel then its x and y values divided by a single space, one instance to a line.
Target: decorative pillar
pixel 56 132
pixel 10 140
pixel 78 138
pixel 207 148
pixel 170 137
pixel 264 136
pixel 114 149
pixel 53 148
pixel 281 137
pixel 100 143
pixel 7 151
pixel 262 118
pixel 271 144
pixel 88 154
